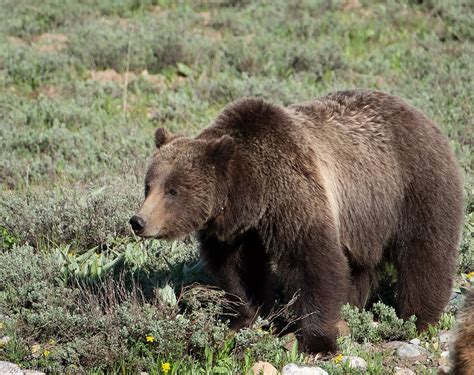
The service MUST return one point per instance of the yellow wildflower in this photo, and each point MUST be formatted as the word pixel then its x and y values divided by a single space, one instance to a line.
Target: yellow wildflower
pixel 470 275
pixel 52 342
pixel 165 367
pixel 338 358
pixel 46 352
pixel 150 338
pixel 35 348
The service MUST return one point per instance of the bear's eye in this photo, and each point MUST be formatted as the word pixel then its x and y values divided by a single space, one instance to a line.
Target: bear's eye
pixel 172 191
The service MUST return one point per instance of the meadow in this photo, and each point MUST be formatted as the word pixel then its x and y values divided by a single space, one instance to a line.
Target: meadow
pixel 83 86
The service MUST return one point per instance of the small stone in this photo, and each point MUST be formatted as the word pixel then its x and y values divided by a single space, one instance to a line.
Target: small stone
pixel 292 369
pixel 403 371
pixel 444 370
pixel 444 358
pixel 10 368
pixel 4 341
pixel 264 368
pixel 355 362
pixel 415 342
pixel 445 337
pixel 393 344
pixel 290 339
pixel 343 328
pixel 408 351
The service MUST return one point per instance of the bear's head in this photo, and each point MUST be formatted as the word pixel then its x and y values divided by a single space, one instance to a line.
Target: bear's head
pixel 185 185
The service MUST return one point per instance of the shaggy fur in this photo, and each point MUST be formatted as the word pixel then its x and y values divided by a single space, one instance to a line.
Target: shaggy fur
pixel 320 194
pixel 463 353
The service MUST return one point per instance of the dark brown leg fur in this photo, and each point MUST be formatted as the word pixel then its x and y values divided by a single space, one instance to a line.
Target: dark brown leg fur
pixel 242 270
pixel 363 281
pixel 425 258
pixel 317 271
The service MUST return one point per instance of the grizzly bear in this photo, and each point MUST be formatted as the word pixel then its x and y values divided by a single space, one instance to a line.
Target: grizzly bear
pixel 463 348
pixel 318 194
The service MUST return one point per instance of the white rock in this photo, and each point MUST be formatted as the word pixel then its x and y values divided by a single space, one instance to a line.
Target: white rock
pixel 10 368
pixel 292 369
pixel 444 369
pixel 445 354
pixel 393 344
pixel 355 362
pixel 263 368
pixel 415 342
pixel 444 358
pixel 32 372
pixel 408 351
pixel 403 371
pixel 445 337
pixel 4 341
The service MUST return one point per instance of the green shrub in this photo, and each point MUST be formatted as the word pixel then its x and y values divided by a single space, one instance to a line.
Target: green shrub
pixel 387 326
pixel 69 216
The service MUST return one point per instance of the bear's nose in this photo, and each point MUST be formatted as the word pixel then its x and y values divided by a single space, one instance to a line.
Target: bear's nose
pixel 137 223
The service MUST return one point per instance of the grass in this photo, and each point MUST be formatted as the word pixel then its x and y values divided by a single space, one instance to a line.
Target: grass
pixel 84 85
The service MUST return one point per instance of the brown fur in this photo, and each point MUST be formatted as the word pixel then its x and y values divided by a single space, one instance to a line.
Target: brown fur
pixel 321 193
pixel 463 348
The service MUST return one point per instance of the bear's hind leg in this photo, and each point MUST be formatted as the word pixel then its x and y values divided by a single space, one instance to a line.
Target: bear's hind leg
pixel 425 272
pixel 363 281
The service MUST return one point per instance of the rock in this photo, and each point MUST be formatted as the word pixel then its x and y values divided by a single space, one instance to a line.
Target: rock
pixel 403 371
pixel 4 341
pixel 263 368
pixel 292 369
pixel 290 339
pixel 415 342
pixel 10 368
pixel 408 351
pixel 355 362
pixel 343 328
pixel 444 358
pixel 32 372
pixel 444 370
pixel 445 337
pixel 392 344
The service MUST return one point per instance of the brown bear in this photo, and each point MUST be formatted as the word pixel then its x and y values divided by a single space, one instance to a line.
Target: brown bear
pixel 463 348
pixel 319 194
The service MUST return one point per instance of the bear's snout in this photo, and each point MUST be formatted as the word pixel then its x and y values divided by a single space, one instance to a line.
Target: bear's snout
pixel 137 223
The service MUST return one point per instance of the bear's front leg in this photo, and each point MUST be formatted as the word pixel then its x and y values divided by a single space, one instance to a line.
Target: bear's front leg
pixel 227 264
pixel 315 270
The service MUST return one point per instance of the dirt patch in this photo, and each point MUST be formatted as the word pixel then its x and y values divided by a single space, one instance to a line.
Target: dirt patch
pixel 50 42
pixel 206 18
pixel 51 92
pixel 110 75
pixel 17 41
pixel 350 5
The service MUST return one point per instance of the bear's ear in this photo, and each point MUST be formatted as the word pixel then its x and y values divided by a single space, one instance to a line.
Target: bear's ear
pixel 221 150
pixel 162 136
